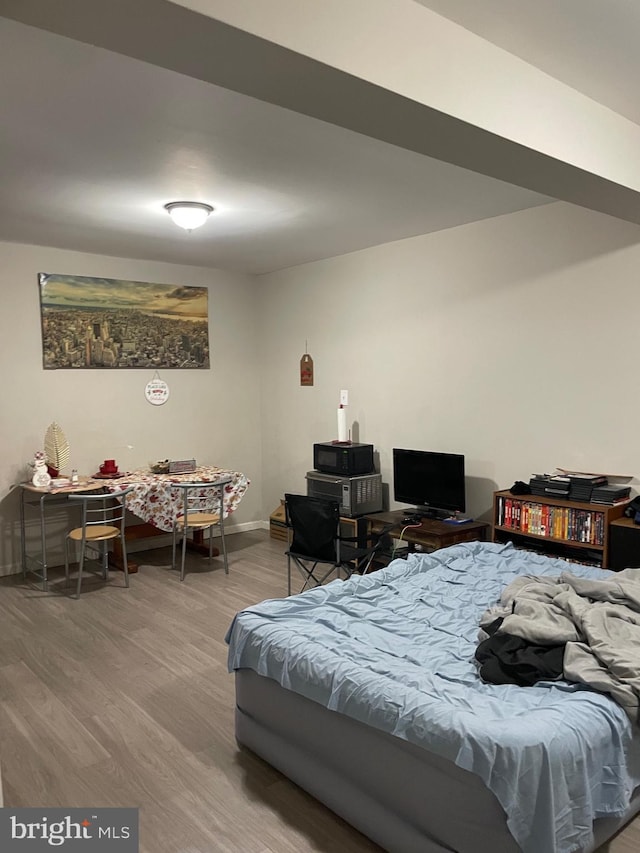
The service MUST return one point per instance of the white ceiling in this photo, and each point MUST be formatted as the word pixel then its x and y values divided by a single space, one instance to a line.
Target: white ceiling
pixel 591 45
pixel 93 144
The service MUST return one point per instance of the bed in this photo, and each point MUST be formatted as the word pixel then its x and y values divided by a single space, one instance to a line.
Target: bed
pixel 366 694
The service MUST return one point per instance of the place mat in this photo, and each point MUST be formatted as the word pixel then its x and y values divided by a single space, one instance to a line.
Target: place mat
pixel 115 476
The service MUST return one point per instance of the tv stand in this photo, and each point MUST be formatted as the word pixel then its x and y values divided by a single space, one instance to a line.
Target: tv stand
pixel 428 534
pixel 430 512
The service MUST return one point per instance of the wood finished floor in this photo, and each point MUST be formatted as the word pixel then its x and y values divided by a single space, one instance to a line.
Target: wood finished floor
pixel 123 699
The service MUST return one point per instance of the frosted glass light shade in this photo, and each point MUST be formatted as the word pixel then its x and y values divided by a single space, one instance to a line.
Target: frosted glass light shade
pixel 188 214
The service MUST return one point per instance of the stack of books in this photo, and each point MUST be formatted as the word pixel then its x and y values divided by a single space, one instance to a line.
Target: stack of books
pixel 550 484
pixel 582 485
pixel 610 494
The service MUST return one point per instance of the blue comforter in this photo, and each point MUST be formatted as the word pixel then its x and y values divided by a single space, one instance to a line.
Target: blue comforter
pixel 395 650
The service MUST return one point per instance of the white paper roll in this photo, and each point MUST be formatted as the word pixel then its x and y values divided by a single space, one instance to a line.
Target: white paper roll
pixel 342 424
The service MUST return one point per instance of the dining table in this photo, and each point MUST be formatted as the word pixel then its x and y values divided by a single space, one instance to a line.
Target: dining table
pixel 155 497
pixel 155 500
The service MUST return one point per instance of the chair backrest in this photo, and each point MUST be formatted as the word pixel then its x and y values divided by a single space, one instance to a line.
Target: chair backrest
pixel 203 497
pixel 106 509
pixel 315 526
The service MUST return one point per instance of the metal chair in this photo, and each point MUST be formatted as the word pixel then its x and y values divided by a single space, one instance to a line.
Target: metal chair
pixel 202 509
pixel 316 547
pixel 103 519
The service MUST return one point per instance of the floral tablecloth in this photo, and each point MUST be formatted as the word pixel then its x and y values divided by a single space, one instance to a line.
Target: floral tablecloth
pixel 156 500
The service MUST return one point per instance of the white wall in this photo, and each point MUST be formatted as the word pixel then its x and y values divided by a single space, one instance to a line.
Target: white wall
pixel 212 415
pixel 509 340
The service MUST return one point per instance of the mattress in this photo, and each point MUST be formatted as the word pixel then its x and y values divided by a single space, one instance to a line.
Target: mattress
pixel 394 651
pixel 404 798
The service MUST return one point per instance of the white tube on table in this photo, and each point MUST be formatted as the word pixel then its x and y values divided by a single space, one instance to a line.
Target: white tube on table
pixel 342 424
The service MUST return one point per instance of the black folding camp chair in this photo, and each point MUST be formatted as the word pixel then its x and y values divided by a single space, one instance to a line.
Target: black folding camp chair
pixel 315 545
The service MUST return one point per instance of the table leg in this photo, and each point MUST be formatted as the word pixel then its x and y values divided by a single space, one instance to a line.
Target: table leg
pixel 147 531
pixel 133 532
pixel 198 544
pixel 116 559
pixel 23 538
pixel 43 545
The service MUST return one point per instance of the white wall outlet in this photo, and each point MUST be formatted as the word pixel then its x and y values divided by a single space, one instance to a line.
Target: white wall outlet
pixel 344 398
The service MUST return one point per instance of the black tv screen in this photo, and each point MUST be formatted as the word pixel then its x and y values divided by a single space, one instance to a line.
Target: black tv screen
pixel 430 481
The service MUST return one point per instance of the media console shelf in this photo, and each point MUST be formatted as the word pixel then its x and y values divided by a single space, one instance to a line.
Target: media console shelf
pixel 570 529
pixel 429 534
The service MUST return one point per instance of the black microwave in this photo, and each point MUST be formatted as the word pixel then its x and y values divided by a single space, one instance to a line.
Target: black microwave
pixel 344 459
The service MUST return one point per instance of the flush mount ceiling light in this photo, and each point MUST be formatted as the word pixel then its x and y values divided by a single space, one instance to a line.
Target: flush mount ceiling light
pixel 188 214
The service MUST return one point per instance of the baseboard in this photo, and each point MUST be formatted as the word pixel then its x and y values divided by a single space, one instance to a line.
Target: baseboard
pixel 248 525
pixel 147 544
pixel 5 571
pixel 163 541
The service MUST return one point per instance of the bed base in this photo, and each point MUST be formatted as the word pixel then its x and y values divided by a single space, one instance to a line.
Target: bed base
pixel 404 798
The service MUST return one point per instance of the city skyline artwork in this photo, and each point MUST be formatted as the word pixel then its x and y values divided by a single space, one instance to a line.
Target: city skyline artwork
pixel 103 323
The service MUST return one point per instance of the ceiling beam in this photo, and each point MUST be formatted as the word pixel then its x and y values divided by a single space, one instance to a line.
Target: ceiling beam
pixel 189 42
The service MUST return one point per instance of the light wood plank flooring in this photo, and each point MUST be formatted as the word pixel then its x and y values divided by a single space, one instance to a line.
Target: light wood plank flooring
pixel 123 699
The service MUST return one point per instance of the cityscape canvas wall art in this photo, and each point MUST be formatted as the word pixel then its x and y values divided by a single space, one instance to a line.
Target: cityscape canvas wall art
pixel 113 323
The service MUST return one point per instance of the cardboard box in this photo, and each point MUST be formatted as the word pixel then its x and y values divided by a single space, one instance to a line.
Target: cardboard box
pixel 278 524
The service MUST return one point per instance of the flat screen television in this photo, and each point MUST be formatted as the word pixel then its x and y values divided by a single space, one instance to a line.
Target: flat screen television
pixel 432 482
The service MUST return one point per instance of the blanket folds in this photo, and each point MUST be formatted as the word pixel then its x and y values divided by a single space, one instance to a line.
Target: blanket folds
pixel 505 659
pixel 598 621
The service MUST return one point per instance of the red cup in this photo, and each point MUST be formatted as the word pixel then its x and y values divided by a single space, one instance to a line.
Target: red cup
pixel 109 467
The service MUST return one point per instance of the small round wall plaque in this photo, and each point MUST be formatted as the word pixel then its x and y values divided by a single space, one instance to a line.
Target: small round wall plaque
pixel 157 392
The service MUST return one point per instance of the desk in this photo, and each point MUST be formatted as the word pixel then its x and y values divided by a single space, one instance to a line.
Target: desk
pixel 31 496
pixel 431 534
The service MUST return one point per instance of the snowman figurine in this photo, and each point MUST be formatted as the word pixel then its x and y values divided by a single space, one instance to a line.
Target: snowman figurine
pixel 41 478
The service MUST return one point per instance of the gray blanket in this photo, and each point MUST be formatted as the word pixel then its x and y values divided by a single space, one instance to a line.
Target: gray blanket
pixel 599 620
